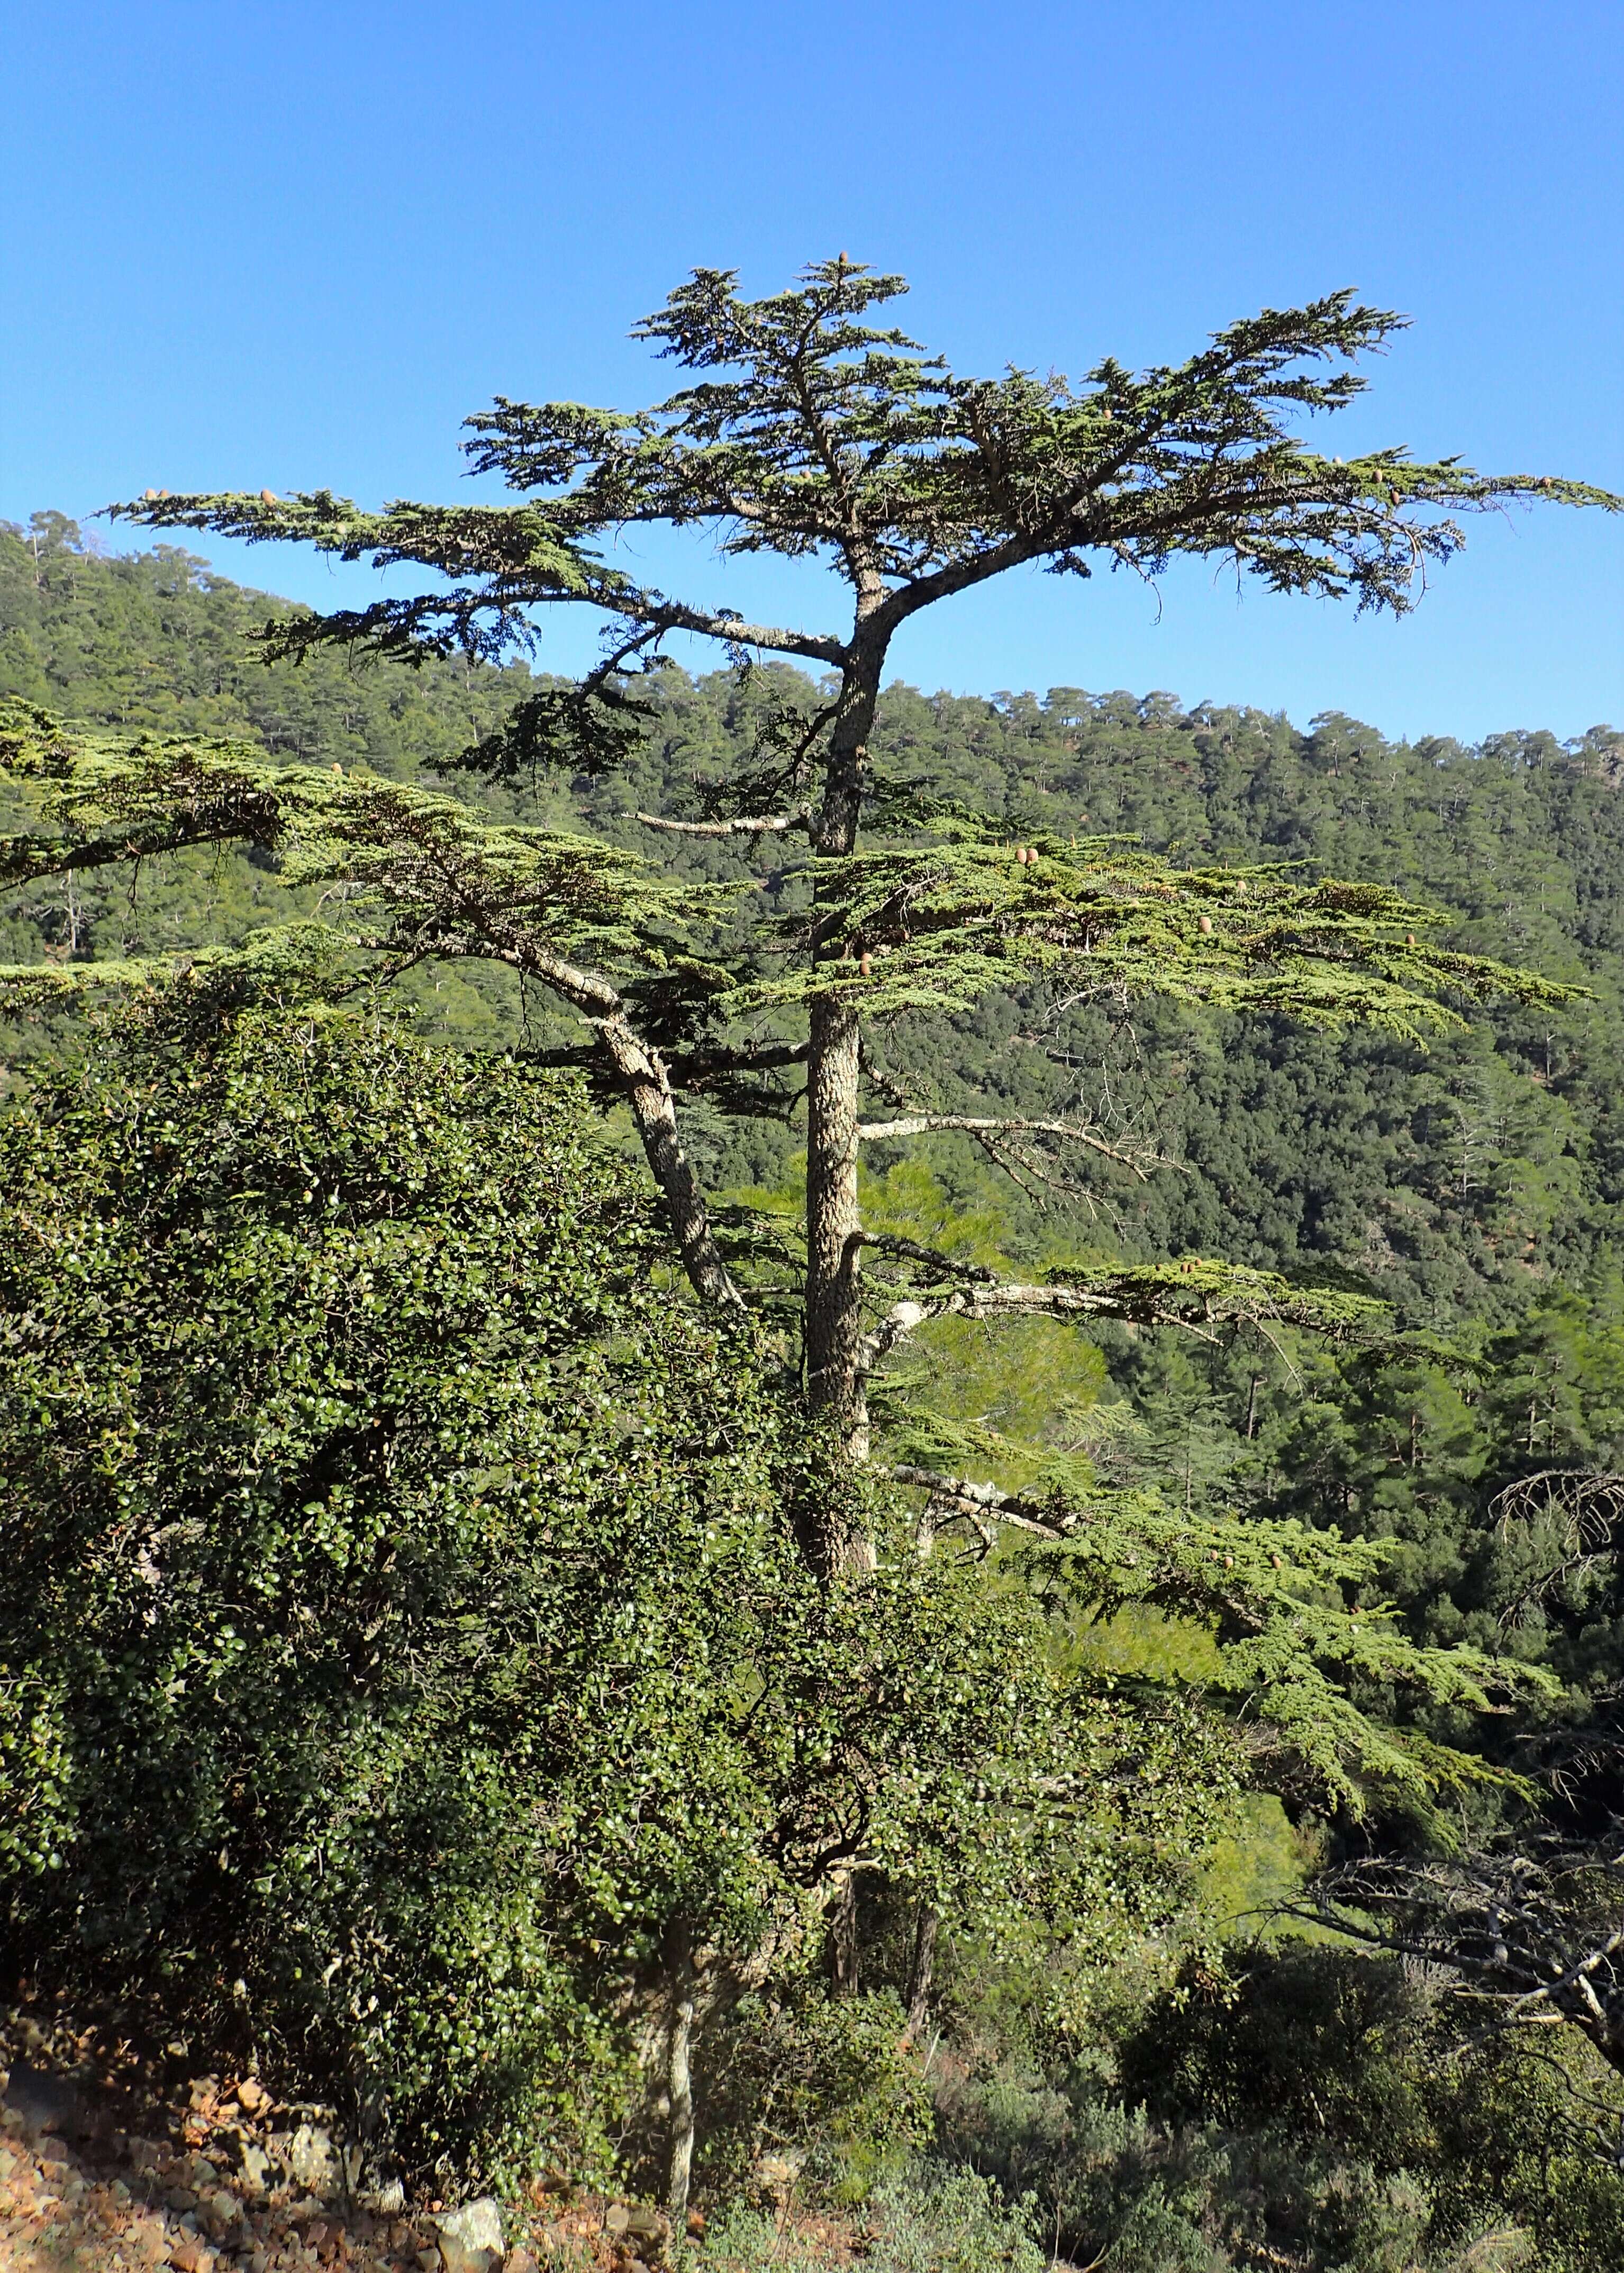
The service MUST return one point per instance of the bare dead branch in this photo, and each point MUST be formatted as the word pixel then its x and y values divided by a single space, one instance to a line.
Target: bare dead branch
pixel 982 1504
pixel 1530 1939
pixel 921 1124
pixel 742 825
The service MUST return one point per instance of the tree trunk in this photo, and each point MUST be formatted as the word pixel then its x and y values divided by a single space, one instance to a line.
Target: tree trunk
pixel 923 1969
pixel 843 1953
pixel 681 1979
pixel 834 1243
pixel 641 1072
pixel 834 1230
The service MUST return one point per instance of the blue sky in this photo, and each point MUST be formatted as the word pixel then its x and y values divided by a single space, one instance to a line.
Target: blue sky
pixel 287 246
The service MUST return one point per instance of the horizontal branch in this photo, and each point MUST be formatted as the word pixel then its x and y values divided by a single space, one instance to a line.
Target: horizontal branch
pixel 695 1068
pixel 692 1069
pixel 982 1504
pixel 767 825
pixel 922 1124
pixel 1196 1295
pixel 661 614
pixel 909 1250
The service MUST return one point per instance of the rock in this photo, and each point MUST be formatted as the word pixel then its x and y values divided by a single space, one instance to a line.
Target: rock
pixel 641 2220
pixel 181 2199
pixel 255 2168
pixel 223 2212
pixel 191 2256
pixel 777 2174
pixel 643 2232
pixel 251 2095
pixel 519 2261
pixel 471 2238
pixel 387 2198
pixel 146 2237
pixel 311 2160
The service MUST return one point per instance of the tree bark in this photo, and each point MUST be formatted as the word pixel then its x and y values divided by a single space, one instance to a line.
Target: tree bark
pixel 923 1969
pixel 641 1075
pixel 843 1951
pixel 834 1229
pixel 682 1981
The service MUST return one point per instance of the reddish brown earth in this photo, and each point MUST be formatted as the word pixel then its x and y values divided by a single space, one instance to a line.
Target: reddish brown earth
pixel 102 2168
pixel 105 2168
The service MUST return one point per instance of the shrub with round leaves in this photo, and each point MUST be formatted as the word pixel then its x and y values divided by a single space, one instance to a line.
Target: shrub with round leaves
pixel 401 1621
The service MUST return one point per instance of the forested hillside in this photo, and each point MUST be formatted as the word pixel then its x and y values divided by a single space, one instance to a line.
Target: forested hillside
pixel 1148 2066
pixel 1458 1180
pixel 1477 1185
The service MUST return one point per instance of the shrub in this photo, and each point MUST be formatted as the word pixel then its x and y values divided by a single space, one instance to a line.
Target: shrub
pixel 386 1555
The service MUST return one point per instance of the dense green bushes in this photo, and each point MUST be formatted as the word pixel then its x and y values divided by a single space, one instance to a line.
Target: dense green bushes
pixel 385 1555
pixel 401 1627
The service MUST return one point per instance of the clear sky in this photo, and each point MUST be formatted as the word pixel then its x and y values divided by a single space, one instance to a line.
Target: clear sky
pixel 294 245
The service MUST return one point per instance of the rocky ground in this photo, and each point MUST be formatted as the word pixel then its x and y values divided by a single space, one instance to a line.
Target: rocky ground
pixel 107 2162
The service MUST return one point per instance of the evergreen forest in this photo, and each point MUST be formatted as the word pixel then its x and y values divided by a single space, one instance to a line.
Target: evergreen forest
pixel 1130 1779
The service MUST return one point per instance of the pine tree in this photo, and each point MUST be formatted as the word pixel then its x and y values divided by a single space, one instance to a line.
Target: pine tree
pixel 810 431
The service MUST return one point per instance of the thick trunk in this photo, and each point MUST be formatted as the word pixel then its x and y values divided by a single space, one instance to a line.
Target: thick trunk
pixel 833 1232
pixel 844 1951
pixel 681 1978
pixel 641 1077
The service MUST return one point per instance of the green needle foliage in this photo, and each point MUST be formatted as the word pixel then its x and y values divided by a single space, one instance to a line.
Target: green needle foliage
pixel 425 858
pixel 944 925
pixel 844 440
